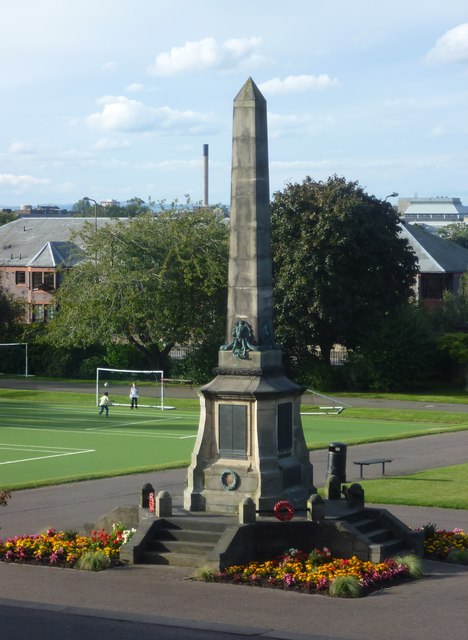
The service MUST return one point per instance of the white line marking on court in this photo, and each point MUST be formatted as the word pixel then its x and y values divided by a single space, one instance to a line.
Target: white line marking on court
pixel 36 447
pixel 55 455
pixel 118 425
pixel 142 434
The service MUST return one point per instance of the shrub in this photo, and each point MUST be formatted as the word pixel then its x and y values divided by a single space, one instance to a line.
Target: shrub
pixel 458 556
pixel 205 574
pixel 4 497
pixel 398 355
pixel 345 587
pixel 93 561
pixel 413 564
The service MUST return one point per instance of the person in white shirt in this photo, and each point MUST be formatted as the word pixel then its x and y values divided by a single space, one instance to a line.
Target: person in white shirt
pixel 134 396
pixel 104 404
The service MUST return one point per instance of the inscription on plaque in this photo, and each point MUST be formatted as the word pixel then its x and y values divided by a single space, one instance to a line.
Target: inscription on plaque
pixel 285 439
pixel 232 430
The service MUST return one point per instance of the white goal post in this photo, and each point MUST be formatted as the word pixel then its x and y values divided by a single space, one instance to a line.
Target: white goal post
pixel 118 381
pixel 332 410
pixel 19 344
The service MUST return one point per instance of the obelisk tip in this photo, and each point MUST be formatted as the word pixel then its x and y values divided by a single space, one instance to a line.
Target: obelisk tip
pixel 250 92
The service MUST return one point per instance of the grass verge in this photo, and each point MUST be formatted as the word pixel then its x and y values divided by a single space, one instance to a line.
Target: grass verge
pixel 443 487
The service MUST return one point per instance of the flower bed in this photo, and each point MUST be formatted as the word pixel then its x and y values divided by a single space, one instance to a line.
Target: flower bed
pixel 315 572
pixel 63 548
pixel 440 544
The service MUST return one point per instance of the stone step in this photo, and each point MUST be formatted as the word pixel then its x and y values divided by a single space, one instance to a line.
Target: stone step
pixel 364 525
pixel 177 546
pixel 380 535
pixel 193 524
pixel 172 559
pixel 188 535
pixel 393 548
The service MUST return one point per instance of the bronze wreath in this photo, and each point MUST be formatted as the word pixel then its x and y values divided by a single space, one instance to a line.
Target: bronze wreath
pixel 230 480
pixel 283 510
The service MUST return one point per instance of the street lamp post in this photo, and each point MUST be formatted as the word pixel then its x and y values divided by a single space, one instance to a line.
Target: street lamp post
pixel 394 194
pixel 95 220
pixel 95 210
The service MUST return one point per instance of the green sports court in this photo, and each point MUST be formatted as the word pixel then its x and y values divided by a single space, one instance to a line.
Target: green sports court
pixel 45 441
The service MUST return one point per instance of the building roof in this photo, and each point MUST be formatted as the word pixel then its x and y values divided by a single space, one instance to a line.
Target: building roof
pixel 44 242
pixel 435 254
pixel 429 206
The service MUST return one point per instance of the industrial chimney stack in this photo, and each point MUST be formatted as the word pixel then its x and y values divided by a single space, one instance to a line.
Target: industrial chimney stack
pixel 205 175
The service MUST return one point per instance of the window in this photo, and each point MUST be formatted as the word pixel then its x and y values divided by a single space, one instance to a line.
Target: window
pixel 36 279
pixel 20 277
pixel 42 312
pixel 38 313
pixel 49 280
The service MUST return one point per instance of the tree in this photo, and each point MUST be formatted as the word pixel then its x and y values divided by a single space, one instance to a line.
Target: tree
pixel 134 207
pixel 456 232
pixel 339 264
pixel 10 312
pixel 151 282
pixel 398 354
pixel 7 216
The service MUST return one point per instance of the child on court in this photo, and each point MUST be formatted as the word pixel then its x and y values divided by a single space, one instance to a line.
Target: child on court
pixel 104 404
pixel 134 396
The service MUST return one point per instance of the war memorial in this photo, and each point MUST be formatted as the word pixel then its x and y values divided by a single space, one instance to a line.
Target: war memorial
pixel 249 490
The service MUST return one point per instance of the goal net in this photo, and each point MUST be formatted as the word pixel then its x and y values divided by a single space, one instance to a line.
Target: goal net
pixel 118 383
pixel 321 405
pixel 14 358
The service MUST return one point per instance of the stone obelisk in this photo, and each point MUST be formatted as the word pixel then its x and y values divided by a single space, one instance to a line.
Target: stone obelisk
pixel 250 441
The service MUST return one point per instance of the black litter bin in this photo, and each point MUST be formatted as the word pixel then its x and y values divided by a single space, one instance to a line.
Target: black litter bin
pixel 337 460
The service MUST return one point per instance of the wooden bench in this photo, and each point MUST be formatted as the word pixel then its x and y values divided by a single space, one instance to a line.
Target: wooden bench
pixel 363 463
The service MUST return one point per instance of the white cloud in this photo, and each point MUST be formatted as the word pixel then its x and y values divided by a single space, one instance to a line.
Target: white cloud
pixel 279 125
pixel 451 47
pixel 20 183
pixel 297 84
pixel 123 114
pixel 105 144
pixel 133 87
pixel 206 54
pixel 22 148
pixel 438 131
pixel 300 164
pixel 170 165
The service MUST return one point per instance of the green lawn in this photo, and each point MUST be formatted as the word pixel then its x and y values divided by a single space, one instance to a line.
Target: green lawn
pixel 445 487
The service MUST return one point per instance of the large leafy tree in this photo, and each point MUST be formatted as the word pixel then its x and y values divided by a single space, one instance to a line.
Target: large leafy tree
pixel 11 311
pixel 339 264
pixel 456 232
pixel 150 281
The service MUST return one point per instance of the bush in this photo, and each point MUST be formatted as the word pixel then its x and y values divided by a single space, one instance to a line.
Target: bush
pixel 458 556
pixel 398 355
pixel 345 587
pixel 93 561
pixel 413 563
pixel 198 364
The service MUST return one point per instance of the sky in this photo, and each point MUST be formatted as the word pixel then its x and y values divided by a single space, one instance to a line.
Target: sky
pixel 114 99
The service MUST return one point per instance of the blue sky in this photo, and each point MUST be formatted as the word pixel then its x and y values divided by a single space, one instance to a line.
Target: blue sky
pixel 115 99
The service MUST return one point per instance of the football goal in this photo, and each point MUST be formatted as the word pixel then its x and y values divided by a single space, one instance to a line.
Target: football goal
pixel 118 383
pixel 332 409
pixel 14 358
